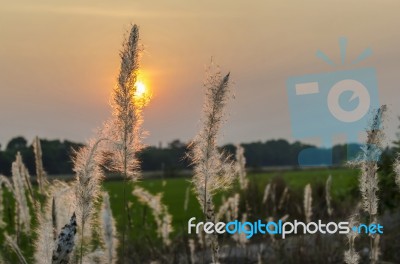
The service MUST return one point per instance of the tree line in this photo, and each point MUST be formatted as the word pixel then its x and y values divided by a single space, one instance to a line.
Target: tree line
pixel 58 155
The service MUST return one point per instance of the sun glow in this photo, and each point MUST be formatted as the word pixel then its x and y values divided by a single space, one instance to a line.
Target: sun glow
pixel 140 89
pixel 142 94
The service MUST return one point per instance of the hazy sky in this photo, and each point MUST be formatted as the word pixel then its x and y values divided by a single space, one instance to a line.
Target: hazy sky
pixel 59 61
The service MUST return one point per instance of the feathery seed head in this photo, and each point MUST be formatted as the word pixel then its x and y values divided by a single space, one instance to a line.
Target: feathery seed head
pixel 308 203
pixel 88 177
pixel 124 130
pixel 160 212
pixel 328 198
pixel 21 185
pixel 241 167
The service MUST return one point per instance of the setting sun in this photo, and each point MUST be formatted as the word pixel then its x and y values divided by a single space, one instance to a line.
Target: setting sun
pixel 140 89
pixel 142 94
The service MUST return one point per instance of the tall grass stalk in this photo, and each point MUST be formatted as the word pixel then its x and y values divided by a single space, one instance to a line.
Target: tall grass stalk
pixel 124 130
pixel 213 170
pixel 396 167
pixel 241 167
pixel 46 233
pixel 51 217
pixel 229 210
pixel 328 197
pixel 368 180
pixel 267 192
pixel 351 256
pixel 308 203
pixel 241 239
pixel 14 246
pixel 61 211
pixel 87 183
pixel 21 184
pixel 4 181
pixel 40 173
pixel 160 212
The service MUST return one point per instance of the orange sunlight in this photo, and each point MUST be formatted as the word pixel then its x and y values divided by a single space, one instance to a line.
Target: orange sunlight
pixel 140 89
pixel 142 93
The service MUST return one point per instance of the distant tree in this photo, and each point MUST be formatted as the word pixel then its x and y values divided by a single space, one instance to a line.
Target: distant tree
pixel 56 155
pixel 17 144
pixel 176 144
pixel 169 159
pixel 229 149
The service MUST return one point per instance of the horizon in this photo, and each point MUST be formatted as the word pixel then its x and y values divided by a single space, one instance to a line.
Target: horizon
pixel 164 145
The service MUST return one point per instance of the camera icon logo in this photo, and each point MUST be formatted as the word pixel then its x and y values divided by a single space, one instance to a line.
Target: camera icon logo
pixel 330 104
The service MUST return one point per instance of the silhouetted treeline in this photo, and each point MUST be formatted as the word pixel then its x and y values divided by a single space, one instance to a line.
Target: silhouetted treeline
pixel 57 155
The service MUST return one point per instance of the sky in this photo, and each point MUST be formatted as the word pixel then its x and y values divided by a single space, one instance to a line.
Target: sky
pixel 59 61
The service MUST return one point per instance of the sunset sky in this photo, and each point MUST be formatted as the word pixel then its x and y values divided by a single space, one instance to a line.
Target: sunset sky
pixel 59 61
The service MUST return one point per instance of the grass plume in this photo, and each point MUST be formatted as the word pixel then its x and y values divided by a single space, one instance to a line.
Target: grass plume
pixel 213 170
pixel 160 212
pixel 396 167
pixel 328 197
pixel 46 234
pixel 267 192
pixel 40 173
pixel 241 167
pixel 51 218
pixel 368 180
pixel 308 203
pixel 21 184
pixel 87 183
pixel 124 129
pixel 4 181
pixel 229 210
pixel 351 256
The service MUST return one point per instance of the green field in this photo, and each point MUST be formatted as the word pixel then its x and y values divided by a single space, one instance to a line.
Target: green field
pixel 174 189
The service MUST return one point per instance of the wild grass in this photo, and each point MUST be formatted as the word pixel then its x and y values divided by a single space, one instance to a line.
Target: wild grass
pixel 213 170
pixel 124 130
pixel 40 172
pixel 344 181
pixel 89 174
pixel 368 180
